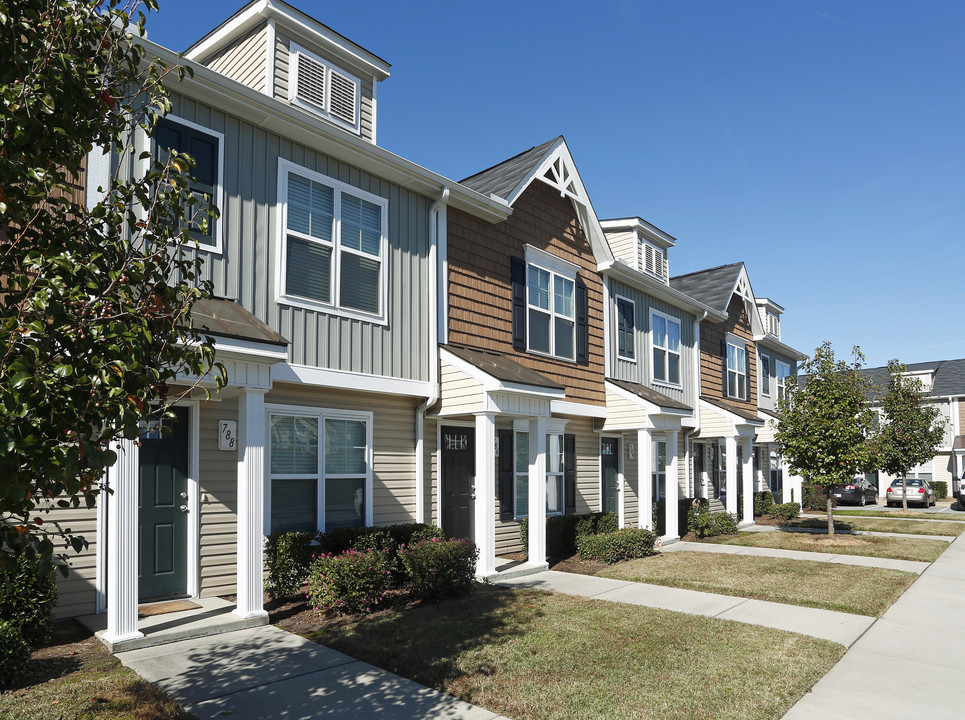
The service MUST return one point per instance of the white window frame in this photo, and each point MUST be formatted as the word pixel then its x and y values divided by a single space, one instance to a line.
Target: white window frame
pixel 556 477
pixel 632 357
pixel 740 377
pixel 658 477
pixel 557 268
pixel 656 252
pixel 325 112
pixel 765 365
pixel 321 415
pixel 668 352
pixel 554 427
pixel 782 377
pixel 218 234
pixel 517 475
pixel 285 168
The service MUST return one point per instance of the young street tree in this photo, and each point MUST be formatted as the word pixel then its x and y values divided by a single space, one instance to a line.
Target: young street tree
pixel 95 296
pixel 826 423
pixel 912 429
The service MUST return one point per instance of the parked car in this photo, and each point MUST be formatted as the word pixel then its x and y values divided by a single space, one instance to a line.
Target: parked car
pixel 919 492
pixel 857 492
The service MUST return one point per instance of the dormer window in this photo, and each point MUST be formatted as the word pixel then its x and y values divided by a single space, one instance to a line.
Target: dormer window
pixel 653 260
pixel 323 88
pixel 774 325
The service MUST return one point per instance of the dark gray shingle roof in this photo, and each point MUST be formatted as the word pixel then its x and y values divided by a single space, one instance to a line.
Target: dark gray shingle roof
pixel 503 178
pixel 650 395
pixel 712 287
pixel 751 417
pixel 502 367
pixel 950 378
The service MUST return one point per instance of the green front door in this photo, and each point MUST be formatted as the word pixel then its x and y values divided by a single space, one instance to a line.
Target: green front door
pixel 609 468
pixel 163 518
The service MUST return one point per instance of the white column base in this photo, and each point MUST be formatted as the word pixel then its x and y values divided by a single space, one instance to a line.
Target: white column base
pixel 123 545
pixel 251 488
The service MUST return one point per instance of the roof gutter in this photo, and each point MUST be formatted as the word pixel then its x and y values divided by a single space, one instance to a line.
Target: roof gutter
pixel 626 274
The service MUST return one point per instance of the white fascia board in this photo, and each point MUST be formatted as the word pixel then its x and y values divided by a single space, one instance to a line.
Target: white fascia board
pixel 575 409
pixel 231 97
pixel 343 380
pixel 638 224
pixel 772 343
pixel 233 27
pixel 736 419
pixel 619 270
pixel 491 384
pixel 238 346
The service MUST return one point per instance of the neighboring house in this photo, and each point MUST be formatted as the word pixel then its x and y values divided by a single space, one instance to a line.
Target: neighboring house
pixel 944 384
pixel 734 452
pixel 324 263
pixel 653 377
pixel 522 358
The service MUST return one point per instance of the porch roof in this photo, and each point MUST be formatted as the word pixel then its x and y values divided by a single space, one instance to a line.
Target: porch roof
pixel 751 418
pixel 228 319
pixel 501 367
pixel 650 395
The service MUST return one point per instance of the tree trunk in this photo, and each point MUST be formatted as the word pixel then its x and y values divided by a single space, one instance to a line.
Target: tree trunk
pixel 904 491
pixel 830 516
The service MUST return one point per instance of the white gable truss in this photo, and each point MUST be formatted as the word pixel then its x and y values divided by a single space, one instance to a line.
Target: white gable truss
pixel 742 288
pixel 558 170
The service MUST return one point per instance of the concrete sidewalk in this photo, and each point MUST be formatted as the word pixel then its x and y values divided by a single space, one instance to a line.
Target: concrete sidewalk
pixel 835 626
pixel 891 672
pixel 269 673
pixel 861 560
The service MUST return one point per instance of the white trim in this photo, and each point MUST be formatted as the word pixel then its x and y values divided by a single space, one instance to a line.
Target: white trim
pixel 491 384
pixel 98 175
pixel 733 417
pixel 576 409
pixel 194 497
pixel 270 42
pixel 553 263
pixel 680 357
pixel 218 236
pixel 607 330
pixel 286 167
pixel 241 346
pixel 566 271
pixel 345 380
pixel 741 379
pixel 324 110
pixel 633 330
pixel 761 357
pixel 375 109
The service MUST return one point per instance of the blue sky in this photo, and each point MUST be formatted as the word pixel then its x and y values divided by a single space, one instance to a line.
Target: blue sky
pixel 821 143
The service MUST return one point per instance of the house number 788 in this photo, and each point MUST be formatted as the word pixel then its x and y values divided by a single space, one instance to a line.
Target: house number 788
pixel 227 434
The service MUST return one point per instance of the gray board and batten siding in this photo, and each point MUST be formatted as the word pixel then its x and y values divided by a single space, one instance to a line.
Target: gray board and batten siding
pixel 246 268
pixel 640 371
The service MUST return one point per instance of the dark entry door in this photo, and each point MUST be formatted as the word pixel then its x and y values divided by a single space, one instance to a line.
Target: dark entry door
pixel 458 471
pixel 609 462
pixel 163 518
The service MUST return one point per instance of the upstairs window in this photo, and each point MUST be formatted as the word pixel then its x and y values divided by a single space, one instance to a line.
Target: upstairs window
pixel 765 376
pixel 774 325
pixel 333 247
pixel 736 371
pixel 323 88
pixel 552 312
pixel 653 260
pixel 625 328
pixel 783 372
pixel 205 147
pixel 665 338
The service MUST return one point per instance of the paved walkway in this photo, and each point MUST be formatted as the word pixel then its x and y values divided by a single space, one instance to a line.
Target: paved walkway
pixel 861 560
pixel 910 664
pixel 269 673
pixel 836 626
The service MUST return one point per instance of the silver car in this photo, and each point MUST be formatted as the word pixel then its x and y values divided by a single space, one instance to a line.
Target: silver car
pixel 919 493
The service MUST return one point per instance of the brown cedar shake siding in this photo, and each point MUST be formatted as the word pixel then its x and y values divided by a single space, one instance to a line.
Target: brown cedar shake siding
pixel 712 364
pixel 480 288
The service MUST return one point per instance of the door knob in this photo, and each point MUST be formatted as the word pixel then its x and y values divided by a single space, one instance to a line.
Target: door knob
pixel 184 496
pixel 183 508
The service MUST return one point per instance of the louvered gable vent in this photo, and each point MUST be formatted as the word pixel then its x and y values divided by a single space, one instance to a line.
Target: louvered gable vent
pixel 344 97
pixel 311 81
pixel 652 260
pixel 325 89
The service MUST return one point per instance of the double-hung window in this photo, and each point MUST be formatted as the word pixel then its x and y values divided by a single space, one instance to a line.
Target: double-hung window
pixel 783 372
pixel 625 328
pixel 765 376
pixel 659 474
pixel 555 474
pixel 736 370
pixel 320 467
pixel 552 312
pixel 334 245
pixel 665 338
pixel 522 474
pixel 204 146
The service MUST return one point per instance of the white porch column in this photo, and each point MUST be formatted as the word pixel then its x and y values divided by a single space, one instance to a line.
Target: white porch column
pixel 123 545
pixel 730 476
pixel 671 489
pixel 251 501
pixel 537 491
pixel 748 477
pixel 484 510
pixel 645 478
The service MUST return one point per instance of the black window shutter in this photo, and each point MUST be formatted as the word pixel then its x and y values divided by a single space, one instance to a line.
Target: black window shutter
pixel 519 303
pixel 582 322
pixel 747 366
pixel 504 470
pixel 723 363
pixel 569 472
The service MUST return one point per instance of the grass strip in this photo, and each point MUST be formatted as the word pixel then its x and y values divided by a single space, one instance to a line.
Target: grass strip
pixel 843 588
pixel 867 545
pixel 945 517
pixel 898 525
pixel 533 655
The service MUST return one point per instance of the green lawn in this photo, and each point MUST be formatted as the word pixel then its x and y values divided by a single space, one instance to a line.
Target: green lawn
pixel 845 588
pixel 528 654
pixel 944 517
pixel 883 524
pixel 868 545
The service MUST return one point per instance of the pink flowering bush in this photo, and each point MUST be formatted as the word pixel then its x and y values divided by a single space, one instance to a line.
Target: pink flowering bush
pixel 438 568
pixel 353 583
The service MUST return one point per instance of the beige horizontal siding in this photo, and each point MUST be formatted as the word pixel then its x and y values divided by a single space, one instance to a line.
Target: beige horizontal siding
pixel 245 59
pixel 459 392
pixel 218 480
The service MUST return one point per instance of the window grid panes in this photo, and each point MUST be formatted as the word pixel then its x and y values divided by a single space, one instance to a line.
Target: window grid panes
pixel 783 372
pixel 736 372
pixel 625 329
pixel 665 333
pixel 551 326
pixel 765 375
pixel 522 474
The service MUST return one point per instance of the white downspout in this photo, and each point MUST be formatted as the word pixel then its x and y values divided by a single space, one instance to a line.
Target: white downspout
pixel 437 236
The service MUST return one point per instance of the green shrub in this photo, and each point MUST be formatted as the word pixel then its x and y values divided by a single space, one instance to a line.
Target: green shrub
pixel 660 516
pixel 335 542
pixel 785 511
pixel 353 583
pixel 437 568
pixel 704 523
pixel 941 489
pixel 27 598
pixel 763 502
pixel 14 652
pixel 562 531
pixel 613 547
pixel 288 560
pixel 813 497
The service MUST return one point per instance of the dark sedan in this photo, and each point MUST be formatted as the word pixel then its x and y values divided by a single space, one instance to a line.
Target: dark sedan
pixel 857 492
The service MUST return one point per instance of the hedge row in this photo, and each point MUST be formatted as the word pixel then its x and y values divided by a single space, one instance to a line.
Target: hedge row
pixel 27 599
pixel 563 531
pixel 613 547
pixel 703 523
